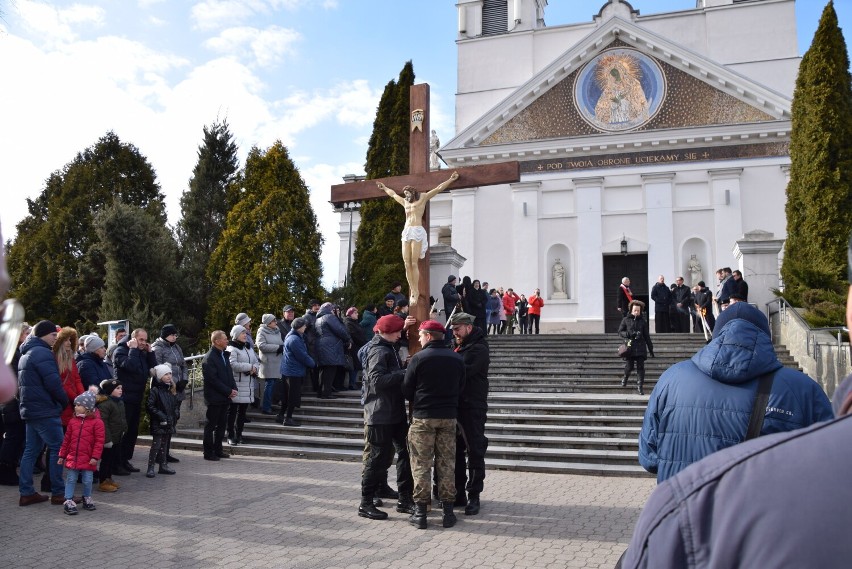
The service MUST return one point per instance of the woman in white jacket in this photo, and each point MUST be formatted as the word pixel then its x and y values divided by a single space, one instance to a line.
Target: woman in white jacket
pixel 244 365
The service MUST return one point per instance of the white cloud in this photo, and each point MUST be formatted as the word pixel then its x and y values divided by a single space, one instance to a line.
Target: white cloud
pixel 266 47
pixel 53 25
pixel 213 14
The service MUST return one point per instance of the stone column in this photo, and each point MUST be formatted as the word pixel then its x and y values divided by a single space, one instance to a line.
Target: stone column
pixel 526 257
pixel 589 257
pixel 660 225
pixel 727 218
pixel 464 214
pixel 443 262
pixel 757 259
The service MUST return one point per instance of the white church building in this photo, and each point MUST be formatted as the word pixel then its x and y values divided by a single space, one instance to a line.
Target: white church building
pixel 646 143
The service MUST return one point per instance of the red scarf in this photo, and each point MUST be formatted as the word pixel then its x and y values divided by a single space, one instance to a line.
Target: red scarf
pixel 627 293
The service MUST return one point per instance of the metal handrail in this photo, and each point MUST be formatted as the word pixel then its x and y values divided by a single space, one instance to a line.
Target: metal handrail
pixel 786 308
pixel 193 364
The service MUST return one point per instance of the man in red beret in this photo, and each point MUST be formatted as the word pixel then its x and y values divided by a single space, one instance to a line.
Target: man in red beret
pixel 433 381
pixel 384 417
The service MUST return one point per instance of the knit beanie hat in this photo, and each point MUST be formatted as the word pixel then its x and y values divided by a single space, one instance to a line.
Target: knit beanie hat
pixel 86 399
pixel 236 331
pixel 93 343
pixel 242 319
pixel 162 369
pixel 267 318
pixel 109 385
pixel 44 328
pixel 168 330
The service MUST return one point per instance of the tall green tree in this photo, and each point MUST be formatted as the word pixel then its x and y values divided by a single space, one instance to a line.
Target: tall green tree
pixel 54 260
pixel 377 261
pixel 819 194
pixel 269 253
pixel 142 281
pixel 204 208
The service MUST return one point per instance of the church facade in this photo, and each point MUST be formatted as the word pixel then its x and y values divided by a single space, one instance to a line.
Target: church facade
pixel 648 145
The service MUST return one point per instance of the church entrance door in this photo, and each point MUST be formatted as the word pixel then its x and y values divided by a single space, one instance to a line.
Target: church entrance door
pixel 633 266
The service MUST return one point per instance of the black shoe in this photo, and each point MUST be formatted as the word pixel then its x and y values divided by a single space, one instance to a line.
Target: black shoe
pixel 448 517
pixel 418 518
pixel 368 510
pixel 377 502
pixel 292 423
pixel 279 419
pixel 120 471
pixel 233 441
pixel 212 457
pixel 405 504
pixel 639 389
pixel 150 473
pixel 129 467
pixel 222 455
pixel 472 507
pixel 386 491
pixel 170 458
pixel 165 469
pixel 623 382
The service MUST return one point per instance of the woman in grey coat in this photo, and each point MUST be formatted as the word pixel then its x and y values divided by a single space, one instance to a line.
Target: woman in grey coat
pixel 332 342
pixel 270 345
pixel 244 365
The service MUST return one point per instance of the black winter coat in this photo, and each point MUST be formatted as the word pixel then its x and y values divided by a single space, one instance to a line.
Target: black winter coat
pixel 635 330
pixel 434 381
pixel 383 401
pixel 218 377
pixel 662 297
pixel 451 297
pixel 476 355
pixel 162 408
pixel 132 368
pixel 359 338
pixel 332 339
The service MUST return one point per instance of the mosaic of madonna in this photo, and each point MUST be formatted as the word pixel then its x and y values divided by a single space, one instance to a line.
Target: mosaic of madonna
pixel 619 89
pixel 624 90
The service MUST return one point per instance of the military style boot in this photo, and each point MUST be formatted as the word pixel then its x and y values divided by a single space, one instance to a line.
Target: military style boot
pixel 151 473
pixel 405 505
pixel 418 518
pixel 164 468
pixel 448 518
pixel 639 385
pixel 624 381
pixel 368 510
pixel 472 507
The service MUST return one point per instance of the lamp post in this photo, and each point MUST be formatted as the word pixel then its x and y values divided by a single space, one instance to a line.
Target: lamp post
pixel 623 245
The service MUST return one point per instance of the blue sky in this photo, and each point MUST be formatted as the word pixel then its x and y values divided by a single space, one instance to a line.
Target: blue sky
pixel 307 72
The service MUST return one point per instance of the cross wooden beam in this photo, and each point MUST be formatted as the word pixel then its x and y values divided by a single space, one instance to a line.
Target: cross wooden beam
pixel 423 180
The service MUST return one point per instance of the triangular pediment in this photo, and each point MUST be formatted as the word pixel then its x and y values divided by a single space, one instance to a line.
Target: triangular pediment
pixel 623 83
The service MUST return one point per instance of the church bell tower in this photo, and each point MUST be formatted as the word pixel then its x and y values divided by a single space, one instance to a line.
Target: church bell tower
pixel 492 17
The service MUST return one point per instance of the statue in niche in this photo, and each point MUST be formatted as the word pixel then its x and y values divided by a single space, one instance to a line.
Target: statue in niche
pixel 694 269
pixel 560 280
pixel 434 145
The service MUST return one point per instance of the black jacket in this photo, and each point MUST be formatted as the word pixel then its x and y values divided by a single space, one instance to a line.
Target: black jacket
pixel 383 401
pixel 476 356
pixel 451 298
pixel 132 369
pixel 218 377
pixel 635 330
pixel 162 408
pixel 359 338
pixel 662 297
pixel 434 380
pixel 682 295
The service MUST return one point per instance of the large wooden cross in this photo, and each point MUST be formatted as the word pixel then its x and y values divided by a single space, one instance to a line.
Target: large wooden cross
pixel 423 180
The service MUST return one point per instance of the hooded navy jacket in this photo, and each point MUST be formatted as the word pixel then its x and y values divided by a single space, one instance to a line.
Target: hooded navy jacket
pixel 703 405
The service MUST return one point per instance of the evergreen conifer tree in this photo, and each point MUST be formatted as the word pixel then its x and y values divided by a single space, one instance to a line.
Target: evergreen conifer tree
pixel 377 261
pixel 269 253
pixel 56 267
pixel 204 208
pixel 819 194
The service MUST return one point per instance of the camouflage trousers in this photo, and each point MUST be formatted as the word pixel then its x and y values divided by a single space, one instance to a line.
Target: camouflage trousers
pixel 433 440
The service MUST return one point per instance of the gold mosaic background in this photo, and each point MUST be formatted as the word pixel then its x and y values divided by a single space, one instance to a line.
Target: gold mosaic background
pixel 689 103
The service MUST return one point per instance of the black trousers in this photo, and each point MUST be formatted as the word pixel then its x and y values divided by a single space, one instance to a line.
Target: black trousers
pixel 471 441
pixel 159 449
pixel 214 430
pixel 330 376
pixel 128 442
pixel 291 396
pixel 661 323
pixel 236 419
pixel 534 319
pixel 640 367
pixel 383 441
pixel 107 463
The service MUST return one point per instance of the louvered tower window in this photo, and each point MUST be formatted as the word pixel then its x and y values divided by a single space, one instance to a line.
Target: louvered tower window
pixel 495 16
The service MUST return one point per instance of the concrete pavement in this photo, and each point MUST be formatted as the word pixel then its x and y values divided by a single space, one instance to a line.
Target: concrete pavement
pixel 270 512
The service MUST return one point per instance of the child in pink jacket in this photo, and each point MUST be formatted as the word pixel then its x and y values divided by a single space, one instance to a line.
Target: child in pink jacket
pixel 81 450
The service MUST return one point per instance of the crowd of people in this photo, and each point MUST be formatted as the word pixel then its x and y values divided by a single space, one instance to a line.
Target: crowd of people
pixel 495 311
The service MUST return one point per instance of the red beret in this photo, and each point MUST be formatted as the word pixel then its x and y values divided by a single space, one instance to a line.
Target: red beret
pixel 433 326
pixel 389 324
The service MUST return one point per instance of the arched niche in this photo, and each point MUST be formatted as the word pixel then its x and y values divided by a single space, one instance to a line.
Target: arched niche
pixel 560 254
pixel 701 250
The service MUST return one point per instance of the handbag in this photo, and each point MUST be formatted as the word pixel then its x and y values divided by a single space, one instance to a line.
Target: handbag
pixel 623 350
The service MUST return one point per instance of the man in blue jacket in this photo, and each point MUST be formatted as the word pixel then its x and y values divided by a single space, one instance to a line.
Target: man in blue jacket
pixel 703 405
pixel 42 401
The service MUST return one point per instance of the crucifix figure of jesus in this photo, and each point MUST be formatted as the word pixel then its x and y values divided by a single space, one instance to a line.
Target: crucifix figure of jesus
pixel 415 240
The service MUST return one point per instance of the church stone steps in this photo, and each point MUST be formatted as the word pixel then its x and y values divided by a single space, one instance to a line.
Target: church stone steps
pixel 555 405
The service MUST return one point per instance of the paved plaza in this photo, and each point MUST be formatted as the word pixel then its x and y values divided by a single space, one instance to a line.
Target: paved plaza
pixel 282 513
